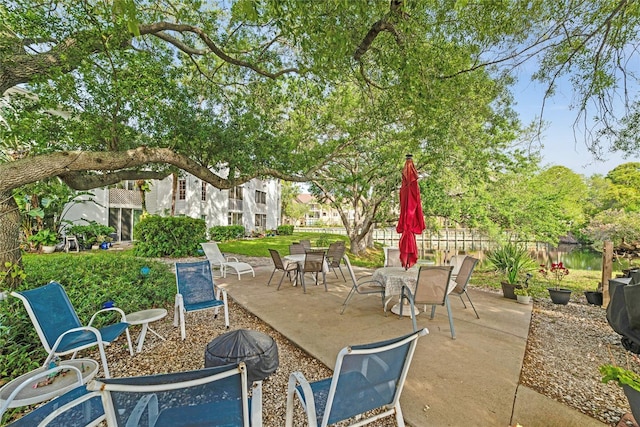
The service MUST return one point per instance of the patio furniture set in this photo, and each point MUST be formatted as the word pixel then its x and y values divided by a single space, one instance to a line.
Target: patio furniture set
pixel 226 392
pixel 303 259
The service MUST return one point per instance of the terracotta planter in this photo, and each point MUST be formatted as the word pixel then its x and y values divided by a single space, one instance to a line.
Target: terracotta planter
pixel 560 296
pixel 508 290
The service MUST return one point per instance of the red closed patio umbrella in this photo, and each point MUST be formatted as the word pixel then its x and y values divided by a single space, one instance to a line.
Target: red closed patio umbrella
pixel 411 221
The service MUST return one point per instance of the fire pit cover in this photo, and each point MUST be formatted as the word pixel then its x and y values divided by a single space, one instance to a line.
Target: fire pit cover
pixel 257 350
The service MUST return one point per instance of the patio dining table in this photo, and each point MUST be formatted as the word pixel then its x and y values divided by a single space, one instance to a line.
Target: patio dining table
pixel 393 278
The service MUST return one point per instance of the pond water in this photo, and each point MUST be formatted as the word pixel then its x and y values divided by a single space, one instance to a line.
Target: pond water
pixel 580 258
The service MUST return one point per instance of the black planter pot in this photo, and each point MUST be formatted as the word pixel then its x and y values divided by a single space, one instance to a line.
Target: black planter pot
pixel 633 396
pixel 508 290
pixel 593 297
pixel 560 296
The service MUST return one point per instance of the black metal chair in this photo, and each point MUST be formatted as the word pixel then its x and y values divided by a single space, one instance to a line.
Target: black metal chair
pixel 334 257
pixel 279 265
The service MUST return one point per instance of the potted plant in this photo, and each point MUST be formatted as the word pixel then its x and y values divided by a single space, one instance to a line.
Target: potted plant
pixel 554 275
pixel 628 380
pixel 513 261
pixel 526 291
pixel 91 234
pixel 44 239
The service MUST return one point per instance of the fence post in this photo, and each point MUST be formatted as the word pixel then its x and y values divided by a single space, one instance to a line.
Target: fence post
pixel 607 270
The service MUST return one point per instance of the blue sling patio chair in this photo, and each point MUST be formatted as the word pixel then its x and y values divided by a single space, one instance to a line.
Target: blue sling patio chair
pixel 215 396
pixel 366 377
pixel 197 291
pixel 59 327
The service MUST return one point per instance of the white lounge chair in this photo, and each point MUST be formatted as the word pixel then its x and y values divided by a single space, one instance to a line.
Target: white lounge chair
pixel 216 259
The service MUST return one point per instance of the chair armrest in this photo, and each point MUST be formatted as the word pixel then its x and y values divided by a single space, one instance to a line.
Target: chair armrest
pixel 81 328
pixel 297 378
pixel 119 310
pixel 228 258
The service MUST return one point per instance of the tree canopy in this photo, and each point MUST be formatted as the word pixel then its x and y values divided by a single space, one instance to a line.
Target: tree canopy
pixel 133 89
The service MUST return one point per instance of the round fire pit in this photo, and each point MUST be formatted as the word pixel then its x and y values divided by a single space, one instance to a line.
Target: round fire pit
pixel 257 350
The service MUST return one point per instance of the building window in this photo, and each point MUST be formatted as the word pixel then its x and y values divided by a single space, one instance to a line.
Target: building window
pixel 182 189
pixel 261 197
pixel 236 193
pixel 203 192
pixel 261 221
pixel 234 218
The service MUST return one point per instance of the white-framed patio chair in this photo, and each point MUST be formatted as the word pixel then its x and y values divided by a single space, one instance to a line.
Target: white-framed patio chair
pixel 432 288
pixel 366 377
pixel 197 291
pixel 215 396
pixel 76 408
pixel 217 259
pixel 59 328
pixel 363 287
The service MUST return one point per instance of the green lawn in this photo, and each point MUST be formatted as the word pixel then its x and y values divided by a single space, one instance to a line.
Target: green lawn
pixel 577 280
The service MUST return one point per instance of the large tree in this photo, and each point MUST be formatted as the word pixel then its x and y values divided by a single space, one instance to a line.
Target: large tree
pixel 206 87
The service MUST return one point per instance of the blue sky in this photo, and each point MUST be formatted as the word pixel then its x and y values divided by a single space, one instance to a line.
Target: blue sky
pixel 561 146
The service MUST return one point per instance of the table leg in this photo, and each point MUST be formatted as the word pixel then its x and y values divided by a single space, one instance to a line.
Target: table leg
pixel 140 339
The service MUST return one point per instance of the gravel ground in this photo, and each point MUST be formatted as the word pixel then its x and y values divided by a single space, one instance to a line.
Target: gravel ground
pixel 566 345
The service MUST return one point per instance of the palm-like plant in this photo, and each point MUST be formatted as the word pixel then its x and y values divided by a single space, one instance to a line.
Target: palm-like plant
pixel 513 260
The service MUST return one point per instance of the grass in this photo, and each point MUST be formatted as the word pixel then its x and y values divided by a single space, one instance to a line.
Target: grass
pixel 576 280
pixel 260 247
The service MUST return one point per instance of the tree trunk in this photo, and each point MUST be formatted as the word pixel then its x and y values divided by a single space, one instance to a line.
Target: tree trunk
pixel 9 240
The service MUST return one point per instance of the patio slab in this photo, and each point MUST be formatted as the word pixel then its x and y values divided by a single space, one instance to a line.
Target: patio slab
pixel 471 381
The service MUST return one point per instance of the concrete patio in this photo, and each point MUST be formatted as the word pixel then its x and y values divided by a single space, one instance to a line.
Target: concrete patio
pixel 470 381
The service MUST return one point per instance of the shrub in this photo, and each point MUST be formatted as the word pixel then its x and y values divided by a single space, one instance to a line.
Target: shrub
pixel 285 230
pixel 512 260
pixel 223 233
pixel 157 236
pixel 88 234
pixel 89 280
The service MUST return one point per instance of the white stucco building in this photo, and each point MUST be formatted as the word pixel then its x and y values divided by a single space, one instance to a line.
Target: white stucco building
pixel 255 205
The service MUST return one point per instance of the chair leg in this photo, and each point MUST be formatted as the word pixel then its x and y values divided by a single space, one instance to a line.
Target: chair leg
pixel 471 302
pixel 271 277
pixel 453 331
pixel 346 301
pixel 341 272
pixel 281 279
pixel 413 314
pixel 399 417
pixel 465 305
pixel 324 280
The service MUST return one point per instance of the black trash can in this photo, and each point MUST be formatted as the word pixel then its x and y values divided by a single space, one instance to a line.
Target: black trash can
pixel 257 350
